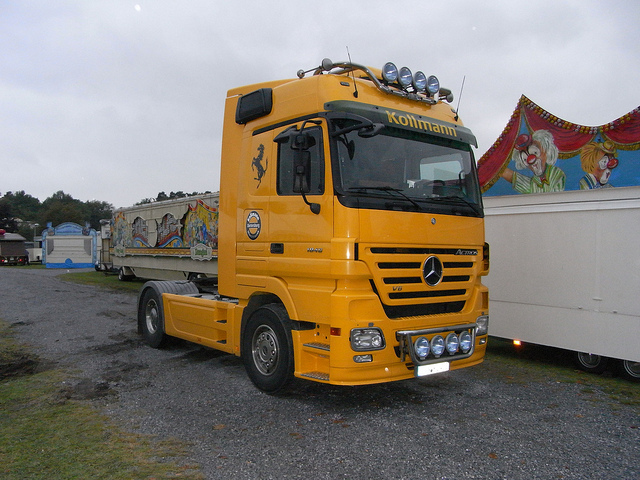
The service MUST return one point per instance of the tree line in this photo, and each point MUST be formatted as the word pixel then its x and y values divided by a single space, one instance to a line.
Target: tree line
pixel 24 214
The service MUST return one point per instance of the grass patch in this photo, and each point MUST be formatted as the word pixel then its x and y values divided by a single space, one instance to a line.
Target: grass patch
pixel 101 279
pixel 45 435
pixel 537 363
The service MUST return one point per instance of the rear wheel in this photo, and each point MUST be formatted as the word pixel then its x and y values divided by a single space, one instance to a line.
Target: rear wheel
pixel 267 348
pixel 589 362
pixel 151 319
pixel 630 370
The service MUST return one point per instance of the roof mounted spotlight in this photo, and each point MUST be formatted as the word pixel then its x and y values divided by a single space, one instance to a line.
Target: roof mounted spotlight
pixel 433 85
pixel 419 81
pixel 327 64
pixel 405 79
pixel 446 94
pixel 389 72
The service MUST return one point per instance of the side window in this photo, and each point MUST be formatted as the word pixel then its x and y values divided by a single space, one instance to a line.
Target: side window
pixel 286 175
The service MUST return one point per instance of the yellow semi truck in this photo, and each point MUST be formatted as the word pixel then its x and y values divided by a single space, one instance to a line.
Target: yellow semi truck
pixel 350 234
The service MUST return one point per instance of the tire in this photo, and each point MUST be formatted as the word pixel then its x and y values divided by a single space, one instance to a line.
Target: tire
pixel 267 349
pixel 630 370
pixel 123 277
pixel 591 363
pixel 151 319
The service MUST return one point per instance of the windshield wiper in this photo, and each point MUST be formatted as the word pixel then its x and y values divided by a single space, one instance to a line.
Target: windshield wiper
pixel 390 189
pixel 474 206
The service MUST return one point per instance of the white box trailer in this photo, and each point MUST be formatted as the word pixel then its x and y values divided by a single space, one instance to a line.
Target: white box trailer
pixel 565 272
pixel 168 240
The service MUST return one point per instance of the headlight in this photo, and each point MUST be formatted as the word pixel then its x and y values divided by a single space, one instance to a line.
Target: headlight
pixel 465 342
pixel 437 345
pixel 483 325
pixel 367 339
pixel 433 84
pixel 389 72
pixel 452 343
pixel 406 77
pixel 421 347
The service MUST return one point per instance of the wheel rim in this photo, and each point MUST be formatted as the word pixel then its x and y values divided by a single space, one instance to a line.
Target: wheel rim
pixel 265 350
pixel 632 368
pixel 589 360
pixel 151 316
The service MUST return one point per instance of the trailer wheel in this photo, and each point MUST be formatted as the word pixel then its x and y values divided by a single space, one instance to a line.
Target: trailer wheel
pixel 267 349
pixel 589 362
pixel 151 319
pixel 122 276
pixel 630 370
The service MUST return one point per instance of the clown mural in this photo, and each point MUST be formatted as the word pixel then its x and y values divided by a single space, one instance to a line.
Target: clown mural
pixel 597 160
pixel 538 152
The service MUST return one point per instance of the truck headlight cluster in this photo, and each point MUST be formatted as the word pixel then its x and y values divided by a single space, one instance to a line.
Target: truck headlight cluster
pixel 453 343
pixel 405 78
pixel 365 339
pixel 483 325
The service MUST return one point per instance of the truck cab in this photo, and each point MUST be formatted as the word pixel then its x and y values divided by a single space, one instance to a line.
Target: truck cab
pixel 351 233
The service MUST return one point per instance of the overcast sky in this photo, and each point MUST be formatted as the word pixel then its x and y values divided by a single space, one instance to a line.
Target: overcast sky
pixel 118 100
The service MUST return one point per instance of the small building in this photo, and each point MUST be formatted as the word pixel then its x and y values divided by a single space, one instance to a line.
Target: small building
pixel 12 249
pixel 69 245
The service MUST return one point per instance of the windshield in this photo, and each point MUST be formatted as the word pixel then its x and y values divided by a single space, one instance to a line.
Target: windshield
pixel 398 169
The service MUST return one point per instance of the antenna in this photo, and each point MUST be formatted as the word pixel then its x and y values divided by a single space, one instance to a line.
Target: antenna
pixel 460 98
pixel 355 86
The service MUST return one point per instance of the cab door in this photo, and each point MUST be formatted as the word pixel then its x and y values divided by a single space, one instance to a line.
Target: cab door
pixel 300 223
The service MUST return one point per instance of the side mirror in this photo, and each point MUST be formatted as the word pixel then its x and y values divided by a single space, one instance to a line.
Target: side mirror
pixel 301 144
pixel 370 130
pixel 301 171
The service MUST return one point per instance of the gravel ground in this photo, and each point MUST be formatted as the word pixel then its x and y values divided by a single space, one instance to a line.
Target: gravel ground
pixel 484 422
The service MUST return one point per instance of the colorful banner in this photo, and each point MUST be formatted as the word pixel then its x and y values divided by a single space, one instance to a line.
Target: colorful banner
pixel 539 152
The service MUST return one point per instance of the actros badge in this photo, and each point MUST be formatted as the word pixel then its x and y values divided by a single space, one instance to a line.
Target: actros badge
pixel 253 225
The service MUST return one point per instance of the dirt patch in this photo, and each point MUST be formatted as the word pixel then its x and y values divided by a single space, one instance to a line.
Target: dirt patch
pixel 87 389
pixel 18 365
pixel 15 359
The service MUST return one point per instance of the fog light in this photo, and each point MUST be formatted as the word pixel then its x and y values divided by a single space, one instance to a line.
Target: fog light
pixel 465 342
pixel 483 325
pixel 452 343
pixel 437 345
pixel 421 347
pixel 363 358
pixel 367 339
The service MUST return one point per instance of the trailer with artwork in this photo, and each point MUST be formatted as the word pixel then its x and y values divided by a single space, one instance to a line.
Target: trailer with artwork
pixel 168 240
pixel 562 206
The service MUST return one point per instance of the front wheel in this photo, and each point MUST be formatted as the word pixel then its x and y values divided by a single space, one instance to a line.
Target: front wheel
pixel 151 319
pixel 267 348
pixel 589 362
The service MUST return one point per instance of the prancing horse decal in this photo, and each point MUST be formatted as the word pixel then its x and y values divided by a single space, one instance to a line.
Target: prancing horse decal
pixel 256 164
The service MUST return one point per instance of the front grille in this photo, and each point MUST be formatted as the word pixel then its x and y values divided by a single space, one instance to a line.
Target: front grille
pixel 398 278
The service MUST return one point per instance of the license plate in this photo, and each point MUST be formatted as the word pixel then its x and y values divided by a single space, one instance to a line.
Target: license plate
pixel 424 370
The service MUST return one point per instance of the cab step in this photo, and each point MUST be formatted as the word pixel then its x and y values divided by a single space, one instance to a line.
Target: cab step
pixel 324 377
